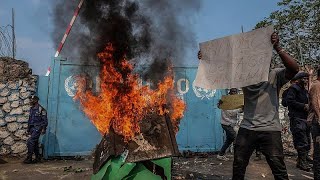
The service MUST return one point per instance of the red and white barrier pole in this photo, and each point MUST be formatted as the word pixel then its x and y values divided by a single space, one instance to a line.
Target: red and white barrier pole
pixel 48 71
pixel 75 15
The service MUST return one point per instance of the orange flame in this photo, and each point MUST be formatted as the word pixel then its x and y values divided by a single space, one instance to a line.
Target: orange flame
pixel 123 102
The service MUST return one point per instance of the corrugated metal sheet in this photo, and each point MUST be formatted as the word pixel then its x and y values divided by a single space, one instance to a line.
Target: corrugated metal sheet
pixel 71 133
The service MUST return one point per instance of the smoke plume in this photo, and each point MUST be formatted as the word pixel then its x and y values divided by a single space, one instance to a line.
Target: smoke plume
pixel 152 34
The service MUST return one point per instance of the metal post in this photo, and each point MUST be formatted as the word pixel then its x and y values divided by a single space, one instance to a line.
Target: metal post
pixel 13 36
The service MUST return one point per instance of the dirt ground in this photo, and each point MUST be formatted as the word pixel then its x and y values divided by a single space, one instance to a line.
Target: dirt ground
pixel 211 168
pixel 193 167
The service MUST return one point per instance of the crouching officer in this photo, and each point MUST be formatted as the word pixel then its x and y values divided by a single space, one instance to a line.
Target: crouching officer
pixel 37 125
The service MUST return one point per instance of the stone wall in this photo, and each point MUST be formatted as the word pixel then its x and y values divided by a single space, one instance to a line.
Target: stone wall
pixel 16 85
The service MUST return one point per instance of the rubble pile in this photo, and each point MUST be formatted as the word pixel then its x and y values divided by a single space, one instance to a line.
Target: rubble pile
pixel 287 140
pixel 13 70
pixel 16 85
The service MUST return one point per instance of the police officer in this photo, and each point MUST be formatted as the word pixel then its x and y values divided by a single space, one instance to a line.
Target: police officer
pixel 297 101
pixel 37 125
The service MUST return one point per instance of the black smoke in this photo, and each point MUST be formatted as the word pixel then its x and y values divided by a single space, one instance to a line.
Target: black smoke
pixel 151 33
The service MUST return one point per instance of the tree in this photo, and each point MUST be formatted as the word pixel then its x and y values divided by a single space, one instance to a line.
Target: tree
pixel 298 25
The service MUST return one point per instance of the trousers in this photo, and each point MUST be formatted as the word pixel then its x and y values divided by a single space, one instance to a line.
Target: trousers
pixel 33 141
pixel 270 145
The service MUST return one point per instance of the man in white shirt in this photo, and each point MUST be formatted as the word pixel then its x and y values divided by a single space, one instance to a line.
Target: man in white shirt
pixel 228 121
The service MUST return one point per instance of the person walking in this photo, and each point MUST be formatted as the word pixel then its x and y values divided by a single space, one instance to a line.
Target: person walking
pixel 228 121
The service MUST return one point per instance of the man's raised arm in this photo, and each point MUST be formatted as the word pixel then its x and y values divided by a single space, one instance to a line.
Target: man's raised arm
pixel 288 61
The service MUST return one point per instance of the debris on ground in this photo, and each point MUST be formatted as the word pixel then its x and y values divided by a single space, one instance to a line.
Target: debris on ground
pixel 78 170
pixel 191 168
pixel 78 158
pixel 67 169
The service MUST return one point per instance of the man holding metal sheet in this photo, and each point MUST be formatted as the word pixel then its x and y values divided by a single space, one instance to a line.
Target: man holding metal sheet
pixel 261 126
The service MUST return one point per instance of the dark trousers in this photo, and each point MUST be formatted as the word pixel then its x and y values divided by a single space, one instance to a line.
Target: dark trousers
pixel 300 134
pixel 33 141
pixel 231 135
pixel 270 145
pixel 316 152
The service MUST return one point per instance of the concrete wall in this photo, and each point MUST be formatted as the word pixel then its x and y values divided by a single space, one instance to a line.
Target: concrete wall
pixel 17 84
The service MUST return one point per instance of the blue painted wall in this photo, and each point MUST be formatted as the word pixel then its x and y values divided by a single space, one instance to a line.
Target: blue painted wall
pixel 71 133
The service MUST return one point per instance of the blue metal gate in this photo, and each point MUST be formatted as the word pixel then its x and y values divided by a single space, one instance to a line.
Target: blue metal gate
pixel 71 133
pixel 200 129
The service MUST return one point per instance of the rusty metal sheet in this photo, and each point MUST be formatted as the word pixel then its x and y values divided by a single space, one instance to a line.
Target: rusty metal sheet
pixel 111 145
pixel 156 140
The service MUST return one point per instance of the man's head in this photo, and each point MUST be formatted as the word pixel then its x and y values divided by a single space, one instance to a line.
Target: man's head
pixel 302 78
pixel 233 91
pixel 34 100
pixel 293 81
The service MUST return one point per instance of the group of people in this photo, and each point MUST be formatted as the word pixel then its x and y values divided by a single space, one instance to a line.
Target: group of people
pixel 261 128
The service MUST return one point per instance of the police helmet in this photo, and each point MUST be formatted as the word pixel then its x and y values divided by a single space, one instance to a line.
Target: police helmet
pixel 300 75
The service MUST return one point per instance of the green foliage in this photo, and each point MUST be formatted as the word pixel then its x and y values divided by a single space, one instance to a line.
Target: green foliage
pixel 298 25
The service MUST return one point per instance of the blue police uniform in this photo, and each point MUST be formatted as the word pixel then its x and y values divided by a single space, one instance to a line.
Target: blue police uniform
pixel 297 98
pixel 36 124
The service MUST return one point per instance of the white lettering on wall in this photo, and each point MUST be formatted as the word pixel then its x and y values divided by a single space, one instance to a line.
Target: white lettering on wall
pixel 183 87
pixel 179 88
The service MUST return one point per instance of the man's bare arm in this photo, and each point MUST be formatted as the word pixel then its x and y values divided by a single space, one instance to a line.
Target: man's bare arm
pixel 288 61
pixel 315 98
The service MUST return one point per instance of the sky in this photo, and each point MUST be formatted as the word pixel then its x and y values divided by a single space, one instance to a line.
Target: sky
pixel 216 19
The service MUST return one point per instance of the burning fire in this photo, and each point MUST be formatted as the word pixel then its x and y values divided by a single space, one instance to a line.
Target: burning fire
pixel 123 102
